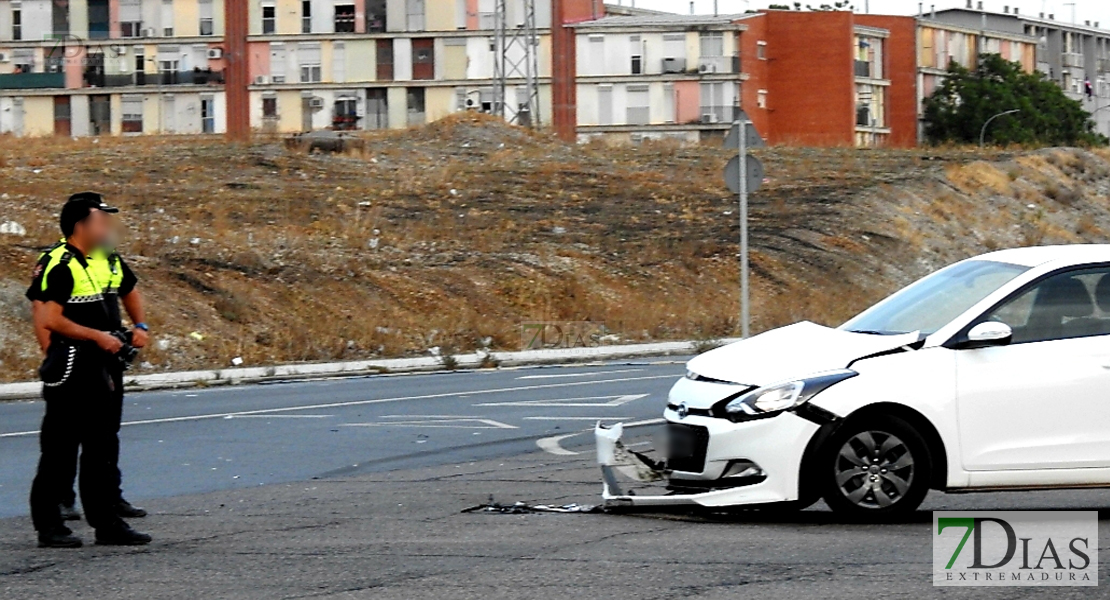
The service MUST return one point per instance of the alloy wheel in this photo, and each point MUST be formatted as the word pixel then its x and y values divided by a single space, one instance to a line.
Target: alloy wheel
pixel 874 469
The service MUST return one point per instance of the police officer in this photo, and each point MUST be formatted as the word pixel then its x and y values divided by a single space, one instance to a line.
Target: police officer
pixel 120 283
pixel 80 385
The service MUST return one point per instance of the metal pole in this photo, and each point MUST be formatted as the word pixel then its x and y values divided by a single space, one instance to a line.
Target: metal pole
pixel 742 164
pixel 983 131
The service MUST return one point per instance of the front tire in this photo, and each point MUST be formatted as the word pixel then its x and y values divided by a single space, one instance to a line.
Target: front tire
pixel 875 468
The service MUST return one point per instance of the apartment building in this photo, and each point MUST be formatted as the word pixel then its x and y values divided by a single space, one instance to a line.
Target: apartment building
pixel 657 75
pixel 1074 55
pixel 97 67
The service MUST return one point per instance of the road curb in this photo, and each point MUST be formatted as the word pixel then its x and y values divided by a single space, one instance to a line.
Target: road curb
pixel 247 375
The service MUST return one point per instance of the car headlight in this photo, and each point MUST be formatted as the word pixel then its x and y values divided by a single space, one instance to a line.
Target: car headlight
pixel 775 398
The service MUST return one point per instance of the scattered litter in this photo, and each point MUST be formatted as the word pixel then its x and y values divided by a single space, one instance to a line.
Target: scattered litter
pixel 196 336
pixel 558 230
pixel 12 228
pixel 523 508
pixel 238 360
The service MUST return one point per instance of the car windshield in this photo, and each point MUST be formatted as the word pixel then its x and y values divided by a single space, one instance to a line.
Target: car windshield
pixel 933 301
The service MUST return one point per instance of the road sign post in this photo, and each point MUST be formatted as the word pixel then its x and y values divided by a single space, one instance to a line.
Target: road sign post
pixel 744 174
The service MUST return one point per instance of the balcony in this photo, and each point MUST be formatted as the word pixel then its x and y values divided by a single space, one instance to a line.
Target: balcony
pixel 719 64
pixel 1073 60
pixel 102 80
pixel 32 81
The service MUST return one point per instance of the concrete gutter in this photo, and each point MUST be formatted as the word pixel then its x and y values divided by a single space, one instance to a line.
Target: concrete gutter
pixel 245 375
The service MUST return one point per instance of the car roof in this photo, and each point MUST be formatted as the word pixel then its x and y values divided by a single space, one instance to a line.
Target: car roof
pixel 1035 256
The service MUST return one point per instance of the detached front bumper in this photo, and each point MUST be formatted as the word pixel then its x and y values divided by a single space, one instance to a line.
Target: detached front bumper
pixel 746 463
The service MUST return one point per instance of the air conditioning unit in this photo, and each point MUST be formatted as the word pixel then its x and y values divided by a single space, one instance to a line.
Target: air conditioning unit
pixel 149 32
pixel 4 57
pixel 674 65
pixel 261 80
pixel 707 68
pixel 119 50
pixel 277 78
pixel 709 118
pixel 215 53
pixel 316 102
pixel 472 103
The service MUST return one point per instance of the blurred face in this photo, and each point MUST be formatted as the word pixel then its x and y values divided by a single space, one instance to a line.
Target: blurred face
pixel 97 230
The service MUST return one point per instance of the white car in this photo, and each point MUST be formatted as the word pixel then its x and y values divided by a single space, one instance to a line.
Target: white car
pixel 990 374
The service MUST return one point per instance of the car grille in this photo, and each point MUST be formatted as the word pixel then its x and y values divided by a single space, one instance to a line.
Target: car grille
pixel 686 447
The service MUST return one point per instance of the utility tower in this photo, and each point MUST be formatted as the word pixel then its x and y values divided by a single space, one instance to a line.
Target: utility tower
pixel 516 95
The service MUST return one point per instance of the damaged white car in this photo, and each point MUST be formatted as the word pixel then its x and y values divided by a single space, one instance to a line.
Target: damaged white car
pixel 990 374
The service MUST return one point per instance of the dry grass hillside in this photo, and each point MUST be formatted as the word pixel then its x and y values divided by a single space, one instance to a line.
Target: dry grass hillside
pixel 453 234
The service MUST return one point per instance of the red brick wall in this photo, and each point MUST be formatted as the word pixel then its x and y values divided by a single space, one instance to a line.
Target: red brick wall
pixel 901 70
pixel 811 87
pixel 757 72
pixel 564 97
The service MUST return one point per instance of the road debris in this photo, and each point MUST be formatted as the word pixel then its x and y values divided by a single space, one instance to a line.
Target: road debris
pixel 523 508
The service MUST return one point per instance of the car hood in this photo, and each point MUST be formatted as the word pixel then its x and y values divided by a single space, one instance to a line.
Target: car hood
pixel 790 352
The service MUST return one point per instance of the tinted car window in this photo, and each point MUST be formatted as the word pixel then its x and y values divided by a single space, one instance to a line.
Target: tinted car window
pixel 1068 305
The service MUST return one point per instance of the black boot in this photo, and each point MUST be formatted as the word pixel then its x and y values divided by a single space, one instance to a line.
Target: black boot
pixel 125 510
pixel 121 535
pixel 60 537
pixel 69 512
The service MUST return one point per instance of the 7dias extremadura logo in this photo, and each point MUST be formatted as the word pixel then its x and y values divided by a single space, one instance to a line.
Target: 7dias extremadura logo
pixel 1039 548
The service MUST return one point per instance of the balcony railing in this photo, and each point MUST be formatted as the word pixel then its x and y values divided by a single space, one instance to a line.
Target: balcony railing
pixel 719 64
pixel 164 78
pixel 32 81
pixel 718 114
pixel 1073 59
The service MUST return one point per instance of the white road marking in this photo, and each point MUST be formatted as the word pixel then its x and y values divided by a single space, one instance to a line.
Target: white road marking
pixel 438 422
pixel 573 402
pixel 324 406
pixel 615 419
pixel 278 416
pixel 586 374
pixel 551 444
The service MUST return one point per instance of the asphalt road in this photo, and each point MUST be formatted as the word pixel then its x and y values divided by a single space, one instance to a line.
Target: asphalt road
pixel 203 440
pixel 365 482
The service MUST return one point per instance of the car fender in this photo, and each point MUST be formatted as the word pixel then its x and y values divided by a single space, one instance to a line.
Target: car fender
pixel 923 381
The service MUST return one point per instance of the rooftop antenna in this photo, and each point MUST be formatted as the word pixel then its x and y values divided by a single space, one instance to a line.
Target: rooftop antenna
pixel 516 60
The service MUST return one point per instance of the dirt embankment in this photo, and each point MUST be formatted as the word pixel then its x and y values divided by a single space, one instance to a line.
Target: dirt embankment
pixel 453 234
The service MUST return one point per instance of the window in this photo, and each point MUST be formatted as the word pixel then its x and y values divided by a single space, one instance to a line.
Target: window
pixel 98 19
pixel 385 60
pixel 345 18
pixel 761 98
pixel 639 111
pixel 17 22
pixel 269 20
pixel 345 112
pixel 338 62
pixel 712 44
pixel 308 57
pixel 306 16
pixel 423 58
pixel 130 18
pixel 637 55
pixel 1068 305
pixel 131 108
pixel 204 10
pixel 59 18
pixel 269 107
pixel 414 15
pixel 415 97
pixel 716 98
pixel 761 50
pixel 167 18
pixel 278 63
pixel 604 104
pixel 24 60
pixel 140 66
pixel 375 16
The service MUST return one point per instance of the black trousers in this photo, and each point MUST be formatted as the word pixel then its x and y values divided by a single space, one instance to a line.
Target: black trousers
pixel 69 495
pixel 81 413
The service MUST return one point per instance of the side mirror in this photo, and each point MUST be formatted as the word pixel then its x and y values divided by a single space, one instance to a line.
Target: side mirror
pixel 988 333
